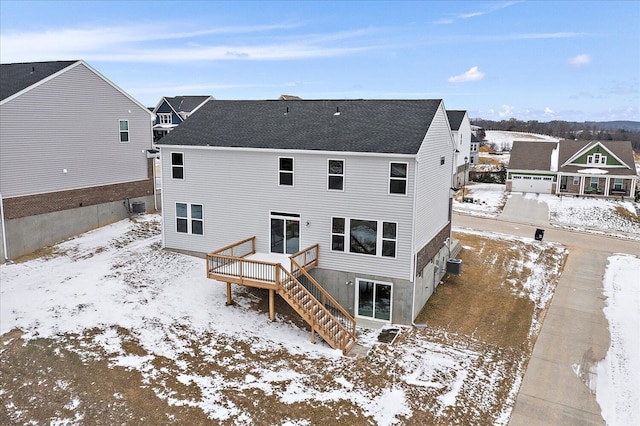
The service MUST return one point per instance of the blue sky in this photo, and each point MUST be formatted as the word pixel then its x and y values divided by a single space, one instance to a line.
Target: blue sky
pixel 532 60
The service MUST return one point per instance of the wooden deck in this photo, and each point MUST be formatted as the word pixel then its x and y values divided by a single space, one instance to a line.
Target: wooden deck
pixel 237 264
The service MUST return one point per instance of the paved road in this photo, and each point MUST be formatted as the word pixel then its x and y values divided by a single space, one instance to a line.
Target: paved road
pixel 575 330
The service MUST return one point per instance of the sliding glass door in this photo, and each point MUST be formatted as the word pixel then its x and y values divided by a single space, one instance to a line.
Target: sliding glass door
pixel 285 233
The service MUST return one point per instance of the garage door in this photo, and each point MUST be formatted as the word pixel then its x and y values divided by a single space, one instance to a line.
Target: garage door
pixel 526 183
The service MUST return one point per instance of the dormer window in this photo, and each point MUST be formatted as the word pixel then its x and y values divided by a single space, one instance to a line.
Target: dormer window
pixel 597 159
pixel 165 118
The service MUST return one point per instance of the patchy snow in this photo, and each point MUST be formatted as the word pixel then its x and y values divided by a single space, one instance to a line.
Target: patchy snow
pixel 488 199
pixel 617 383
pixel 502 140
pixel 118 278
pixel 587 214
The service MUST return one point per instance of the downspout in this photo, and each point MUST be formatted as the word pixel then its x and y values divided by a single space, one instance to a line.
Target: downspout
pixel 153 175
pixel 4 233
pixel 414 256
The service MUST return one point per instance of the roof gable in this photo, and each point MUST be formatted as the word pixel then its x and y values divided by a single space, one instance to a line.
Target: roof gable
pixel 379 126
pixel 23 73
pixel 455 118
pixel 576 153
pixel 17 77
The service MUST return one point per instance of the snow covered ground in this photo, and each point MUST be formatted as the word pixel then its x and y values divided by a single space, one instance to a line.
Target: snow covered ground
pixel 617 379
pixel 502 140
pixel 117 277
pixel 592 215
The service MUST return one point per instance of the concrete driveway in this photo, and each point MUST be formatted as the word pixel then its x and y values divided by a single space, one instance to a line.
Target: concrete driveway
pixel 574 335
pixel 525 209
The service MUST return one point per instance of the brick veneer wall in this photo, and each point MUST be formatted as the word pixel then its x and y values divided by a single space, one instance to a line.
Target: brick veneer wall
pixel 30 205
pixel 427 253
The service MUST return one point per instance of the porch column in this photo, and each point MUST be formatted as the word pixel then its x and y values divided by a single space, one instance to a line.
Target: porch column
pixel 606 185
pixel 229 301
pixel 272 309
pixel 633 187
pixel 582 178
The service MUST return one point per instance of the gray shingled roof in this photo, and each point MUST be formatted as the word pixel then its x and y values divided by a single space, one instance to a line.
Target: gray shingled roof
pixel 529 155
pixel 185 103
pixel 455 118
pixel 621 149
pixel 17 77
pixel 389 126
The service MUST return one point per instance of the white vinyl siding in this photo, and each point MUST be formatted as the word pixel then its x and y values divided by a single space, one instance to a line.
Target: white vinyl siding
pixel 240 207
pixel 71 123
pixel 432 194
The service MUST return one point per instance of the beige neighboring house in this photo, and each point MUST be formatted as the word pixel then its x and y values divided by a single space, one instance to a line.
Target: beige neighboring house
pixel 593 168
pixel 74 154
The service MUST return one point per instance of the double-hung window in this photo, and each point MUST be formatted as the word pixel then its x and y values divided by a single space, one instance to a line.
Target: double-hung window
pixel 576 180
pixel 335 175
pixel 124 130
pixel 177 165
pixel 285 171
pixel 337 233
pixel 617 184
pixel 189 219
pixel 398 178
pixel 370 237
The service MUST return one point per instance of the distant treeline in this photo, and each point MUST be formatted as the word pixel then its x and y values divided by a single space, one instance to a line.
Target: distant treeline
pixel 607 130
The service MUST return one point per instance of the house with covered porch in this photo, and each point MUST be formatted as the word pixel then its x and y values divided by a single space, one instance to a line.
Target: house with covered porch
pixel 341 207
pixel 590 168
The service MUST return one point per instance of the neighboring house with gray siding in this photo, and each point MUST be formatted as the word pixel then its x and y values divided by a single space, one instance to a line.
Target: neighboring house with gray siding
pixel 73 153
pixel 461 130
pixel 367 180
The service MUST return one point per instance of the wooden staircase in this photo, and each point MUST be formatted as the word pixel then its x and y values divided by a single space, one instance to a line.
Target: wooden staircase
pixel 325 316
pixel 296 286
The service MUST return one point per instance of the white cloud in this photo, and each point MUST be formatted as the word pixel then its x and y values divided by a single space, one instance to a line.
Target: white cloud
pixel 548 111
pixel 472 75
pixel 507 111
pixel 139 44
pixel 580 60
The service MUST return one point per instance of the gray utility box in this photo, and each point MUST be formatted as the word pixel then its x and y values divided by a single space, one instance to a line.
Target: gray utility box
pixel 454 266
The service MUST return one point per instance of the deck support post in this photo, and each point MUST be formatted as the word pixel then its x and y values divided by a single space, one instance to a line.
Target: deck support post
pixel 272 309
pixel 229 301
pixel 313 336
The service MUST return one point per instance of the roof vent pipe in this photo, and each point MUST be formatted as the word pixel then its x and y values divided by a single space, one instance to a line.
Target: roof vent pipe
pixel 337 111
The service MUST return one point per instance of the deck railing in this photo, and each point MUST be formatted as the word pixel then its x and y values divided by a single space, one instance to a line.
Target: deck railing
pixel 230 262
pixel 306 258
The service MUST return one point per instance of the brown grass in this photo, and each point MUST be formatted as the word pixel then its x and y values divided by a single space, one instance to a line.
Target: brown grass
pixel 482 310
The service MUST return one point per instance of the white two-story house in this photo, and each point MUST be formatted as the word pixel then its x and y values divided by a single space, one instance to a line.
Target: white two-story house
pixel 461 130
pixel 367 181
